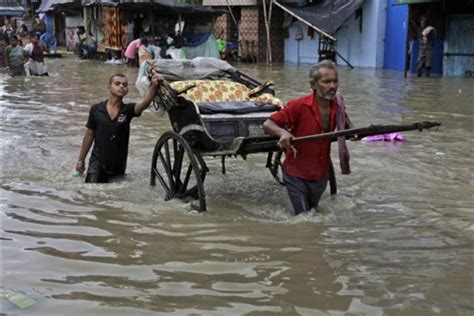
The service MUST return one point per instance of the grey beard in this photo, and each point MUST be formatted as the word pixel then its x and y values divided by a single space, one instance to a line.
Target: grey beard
pixel 327 96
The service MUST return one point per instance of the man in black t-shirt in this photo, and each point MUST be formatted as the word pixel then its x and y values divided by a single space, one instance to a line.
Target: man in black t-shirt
pixel 108 128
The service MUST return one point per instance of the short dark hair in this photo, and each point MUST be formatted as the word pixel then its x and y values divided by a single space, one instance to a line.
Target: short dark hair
pixel 314 74
pixel 111 79
pixel 14 37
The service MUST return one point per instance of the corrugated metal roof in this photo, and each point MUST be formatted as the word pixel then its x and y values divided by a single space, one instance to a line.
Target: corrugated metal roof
pixel 167 4
pixel 232 3
pixel 48 5
pixel 91 2
pixel 11 8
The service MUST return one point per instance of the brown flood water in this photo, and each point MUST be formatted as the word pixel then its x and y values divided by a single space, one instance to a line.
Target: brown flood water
pixel 396 240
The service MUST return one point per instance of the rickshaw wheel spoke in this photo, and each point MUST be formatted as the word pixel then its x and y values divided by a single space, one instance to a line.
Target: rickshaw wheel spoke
pixel 186 179
pixel 167 169
pixel 162 181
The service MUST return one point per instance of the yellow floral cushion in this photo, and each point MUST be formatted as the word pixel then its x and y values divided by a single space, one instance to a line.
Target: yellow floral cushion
pixel 221 91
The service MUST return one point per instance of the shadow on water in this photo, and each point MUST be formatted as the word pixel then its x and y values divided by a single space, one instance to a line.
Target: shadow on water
pixel 397 239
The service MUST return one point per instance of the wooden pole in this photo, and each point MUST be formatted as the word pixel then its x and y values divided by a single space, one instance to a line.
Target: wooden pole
pixel 269 25
pixel 264 2
pixel 272 144
pixel 32 11
pixel 267 19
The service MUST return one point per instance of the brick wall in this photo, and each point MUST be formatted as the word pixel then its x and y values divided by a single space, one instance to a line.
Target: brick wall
pixel 222 25
pixel 249 32
pixel 253 33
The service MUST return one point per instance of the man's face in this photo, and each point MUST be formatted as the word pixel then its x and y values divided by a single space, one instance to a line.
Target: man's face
pixel 326 86
pixel 119 86
pixel 13 42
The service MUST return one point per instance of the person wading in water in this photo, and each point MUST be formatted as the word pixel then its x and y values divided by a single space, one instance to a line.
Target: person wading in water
pixel 306 166
pixel 15 58
pixel 108 128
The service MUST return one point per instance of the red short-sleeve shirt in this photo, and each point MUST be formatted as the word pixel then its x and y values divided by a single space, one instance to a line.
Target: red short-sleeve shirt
pixel 302 117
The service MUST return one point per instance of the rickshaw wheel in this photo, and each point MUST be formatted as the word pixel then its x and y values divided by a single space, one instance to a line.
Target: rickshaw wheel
pixel 179 170
pixel 274 165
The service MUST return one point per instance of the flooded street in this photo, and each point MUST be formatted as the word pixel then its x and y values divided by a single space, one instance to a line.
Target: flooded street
pixel 396 240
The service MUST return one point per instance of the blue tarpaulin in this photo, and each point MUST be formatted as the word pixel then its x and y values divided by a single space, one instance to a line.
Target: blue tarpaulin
pixel 195 39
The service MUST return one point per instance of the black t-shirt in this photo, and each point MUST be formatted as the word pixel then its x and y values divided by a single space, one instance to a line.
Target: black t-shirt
pixel 111 137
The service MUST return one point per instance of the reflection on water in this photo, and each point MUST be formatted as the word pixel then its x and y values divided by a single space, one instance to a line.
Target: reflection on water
pixel 396 240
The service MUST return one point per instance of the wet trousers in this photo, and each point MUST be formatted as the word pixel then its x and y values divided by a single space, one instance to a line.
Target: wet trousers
pixel 304 194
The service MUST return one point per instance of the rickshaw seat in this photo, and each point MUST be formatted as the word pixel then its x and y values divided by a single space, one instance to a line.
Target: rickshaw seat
pixel 222 91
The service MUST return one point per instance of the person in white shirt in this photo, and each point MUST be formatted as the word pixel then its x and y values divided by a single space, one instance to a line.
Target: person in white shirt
pixel 35 64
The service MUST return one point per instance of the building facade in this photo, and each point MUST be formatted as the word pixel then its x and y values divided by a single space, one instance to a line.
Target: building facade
pixel 453 51
pixel 359 39
pixel 243 25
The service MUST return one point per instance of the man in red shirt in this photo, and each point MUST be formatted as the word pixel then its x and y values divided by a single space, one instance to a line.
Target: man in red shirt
pixel 306 166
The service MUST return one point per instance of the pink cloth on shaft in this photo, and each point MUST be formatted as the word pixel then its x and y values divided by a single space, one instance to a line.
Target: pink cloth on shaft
pixel 384 137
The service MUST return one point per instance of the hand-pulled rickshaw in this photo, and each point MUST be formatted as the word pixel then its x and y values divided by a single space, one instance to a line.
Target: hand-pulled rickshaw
pixel 218 111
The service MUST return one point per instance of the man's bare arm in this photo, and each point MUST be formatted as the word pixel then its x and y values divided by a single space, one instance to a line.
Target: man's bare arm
pixel 85 147
pixel 273 129
pixel 155 83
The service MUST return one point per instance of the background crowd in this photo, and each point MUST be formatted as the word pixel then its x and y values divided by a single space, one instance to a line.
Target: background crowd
pixel 21 51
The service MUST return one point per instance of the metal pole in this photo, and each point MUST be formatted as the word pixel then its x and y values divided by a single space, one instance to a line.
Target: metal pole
pixel 345 60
